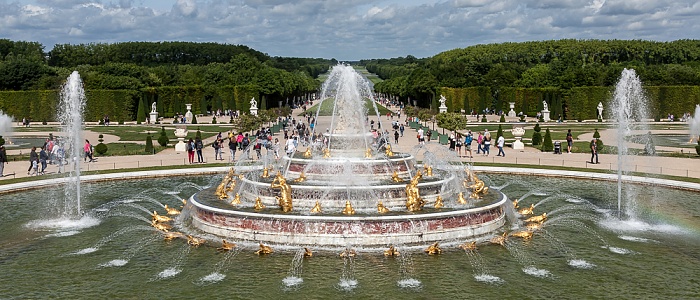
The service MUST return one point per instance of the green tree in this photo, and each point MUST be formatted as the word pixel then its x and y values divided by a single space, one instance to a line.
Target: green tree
pixel 149 144
pixel 101 148
pixel 163 138
pixel 537 136
pixel 140 112
pixel 547 145
pixel 451 121
pixel 499 133
pixel 502 119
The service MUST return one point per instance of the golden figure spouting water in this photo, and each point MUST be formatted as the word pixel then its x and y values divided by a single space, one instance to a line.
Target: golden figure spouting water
pixel 368 153
pixel 388 151
pixel 500 239
pixel 468 246
pixel 226 246
pixel 433 249
pixel 524 234
pixel 226 185
pixel 236 199
pixel 348 210
pixel 308 252
pixel 307 153
pixel 317 208
pixel 413 200
pixel 160 218
pixel 381 208
pixel 195 241
pixel 395 177
pixel 302 178
pixel 285 198
pixel 265 172
pixel 264 250
pixel 428 170
pixel 515 204
pixel 164 227
pixel 171 210
pixel 348 253
pixel 391 252
pixel 537 219
pixel 438 202
pixel 461 199
pixel 326 153
pixel 258 204
pixel 169 236
pixel 527 211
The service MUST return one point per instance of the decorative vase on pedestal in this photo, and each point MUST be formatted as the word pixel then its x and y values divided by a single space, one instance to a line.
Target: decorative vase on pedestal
pixel 188 114
pixel 518 132
pixel 181 133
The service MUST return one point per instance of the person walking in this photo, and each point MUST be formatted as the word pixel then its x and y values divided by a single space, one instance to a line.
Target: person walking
pixel 421 137
pixel 458 144
pixel 87 148
pixel 33 162
pixel 569 140
pixel 290 147
pixel 487 142
pixel 401 128
pixel 479 143
pixel 43 158
pixel 190 150
pixel 276 149
pixel 396 137
pixel 198 146
pixel 232 145
pixel 452 141
pixel 468 144
pixel 3 160
pixel 594 151
pixel 500 143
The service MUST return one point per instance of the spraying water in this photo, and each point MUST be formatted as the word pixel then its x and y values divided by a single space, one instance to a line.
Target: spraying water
pixel 629 105
pixel 5 124
pixel 693 122
pixel 70 114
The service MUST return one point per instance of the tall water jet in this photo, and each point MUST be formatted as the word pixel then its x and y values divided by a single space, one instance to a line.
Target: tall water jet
pixel 5 124
pixel 694 125
pixel 629 106
pixel 70 114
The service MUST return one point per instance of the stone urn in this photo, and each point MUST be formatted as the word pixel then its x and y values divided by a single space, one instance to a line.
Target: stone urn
pixel 518 132
pixel 188 114
pixel 181 134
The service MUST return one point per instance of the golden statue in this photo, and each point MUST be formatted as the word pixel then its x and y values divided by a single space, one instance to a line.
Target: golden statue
pixel 381 208
pixel 264 250
pixel 368 153
pixel 265 173
pixel 226 246
pixel 433 249
pixel 395 177
pixel 307 153
pixel 391 252
pixel 348 253
pixel 159 218
pixel 413 200
pixel 285 198
pixel 171 210
pixel 326 153
pixel 468 246
pixel 533 226
pixel 460 198
pixel 515 204
pixel 500 239
pixel 307 252
pixel 302 178
pixel 527 211
pixel 195 241
pixel 164 227
pixel 317 208
pixel 438 202
pixel 471 177
pixel 388 151
pixel 348 210
pixel 236 199
pixel 258 204
pixel 428 170
pixel 226 185
pixel 537 219
pixel 478 189
pixel 169 236
pixel 525 234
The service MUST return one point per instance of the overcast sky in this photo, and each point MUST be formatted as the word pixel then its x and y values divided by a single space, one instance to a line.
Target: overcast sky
pixel 346 29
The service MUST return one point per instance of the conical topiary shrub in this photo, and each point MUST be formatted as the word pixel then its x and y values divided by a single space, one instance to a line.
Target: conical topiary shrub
pixel 503 118
pixel 599 143
pixel 213 120
pixel 697 148
pixel 101 148
pixel 547 145
pixel 483 118
pixel 163 138
pixel 149 144
pixel 198 135
pixel 537 136
pixel 499 133
pixel 2 141
pixel 194 119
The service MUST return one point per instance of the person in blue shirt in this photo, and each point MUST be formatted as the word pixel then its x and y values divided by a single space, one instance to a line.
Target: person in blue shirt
pixel 468 144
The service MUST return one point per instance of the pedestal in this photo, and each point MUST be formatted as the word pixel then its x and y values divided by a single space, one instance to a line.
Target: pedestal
pixel 442 108
pixel 512 113
pixel 545 116
pixel 153 117
pixel 181 133
pixel 518 133
pixel 253 111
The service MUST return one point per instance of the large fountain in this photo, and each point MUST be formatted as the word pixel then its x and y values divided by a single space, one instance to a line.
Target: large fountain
pixel 351 191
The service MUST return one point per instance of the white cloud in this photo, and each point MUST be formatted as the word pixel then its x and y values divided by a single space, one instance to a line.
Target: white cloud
pixel 346 29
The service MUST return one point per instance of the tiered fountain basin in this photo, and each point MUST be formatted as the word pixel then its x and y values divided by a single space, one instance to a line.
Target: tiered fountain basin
pixel 353 168
pixel 339 231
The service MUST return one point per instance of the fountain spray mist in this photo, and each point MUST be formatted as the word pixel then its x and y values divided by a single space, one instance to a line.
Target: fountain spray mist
pixel 629 105
pixel 70 114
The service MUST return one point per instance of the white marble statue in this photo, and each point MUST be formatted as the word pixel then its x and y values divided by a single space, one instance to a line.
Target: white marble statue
pixel 153 107
pixel 545 106
pixel 600 110
pixel 253 103
pixel 442 100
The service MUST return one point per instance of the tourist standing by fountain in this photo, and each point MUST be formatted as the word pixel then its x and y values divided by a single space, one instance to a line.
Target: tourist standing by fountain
pixel 487 142
pixel 3 160
pixel 421 137
pixel 87 148
pixel 198 146
pixel 569 140
pixel 190 150
pixel 594 151
pixel 500 143
pixel 468 144
pixel 33 162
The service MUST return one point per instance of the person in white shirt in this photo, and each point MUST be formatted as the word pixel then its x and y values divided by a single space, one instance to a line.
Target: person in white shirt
pixel 499 143
pixel 291 148
pixel 421 138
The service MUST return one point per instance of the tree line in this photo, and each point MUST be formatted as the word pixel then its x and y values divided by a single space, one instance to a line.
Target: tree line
pixel 557 64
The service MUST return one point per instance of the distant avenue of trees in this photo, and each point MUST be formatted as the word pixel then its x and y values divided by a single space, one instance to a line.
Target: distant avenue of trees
pixel 557 66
